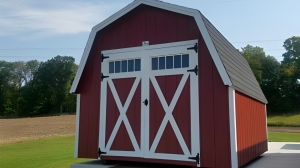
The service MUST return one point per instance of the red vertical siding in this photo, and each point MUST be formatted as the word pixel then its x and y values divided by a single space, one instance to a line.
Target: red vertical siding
pixel 221 115
pixel 158 26
pixel 251 128
pixel 169 142
pixel 214 114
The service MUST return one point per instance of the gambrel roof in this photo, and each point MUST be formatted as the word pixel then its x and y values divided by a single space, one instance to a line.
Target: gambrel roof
pixel 231 65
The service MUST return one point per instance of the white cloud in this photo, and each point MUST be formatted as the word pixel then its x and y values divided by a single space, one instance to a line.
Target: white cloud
pixel 37 19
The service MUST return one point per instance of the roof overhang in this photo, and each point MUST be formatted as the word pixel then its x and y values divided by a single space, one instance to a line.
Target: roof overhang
pixel 162 5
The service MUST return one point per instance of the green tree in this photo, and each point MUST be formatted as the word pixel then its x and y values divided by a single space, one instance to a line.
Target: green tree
pixel 291 73
pixel 69 104
pixel 5 83
pixel 254 56
pixel 270 84
pixel 52 79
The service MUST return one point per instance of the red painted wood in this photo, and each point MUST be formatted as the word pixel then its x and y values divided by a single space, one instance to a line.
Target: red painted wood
pixel 193 30
pixel 112 115
pixel 149 160
pixel 206 105
pixel 157 117
pixel 181 113
pixel 131 29
pixel 84 114
pixel 172 27
pixel 140 23
pixel 149 27
pixel 222 130
pixel 122 141
pixel 134 113
pixel 183 28
pixel 123 87
pixel 168 85
pixel 161 19
pixel 250 120
pixel 94 106
pixel 162 145
pixel 168 142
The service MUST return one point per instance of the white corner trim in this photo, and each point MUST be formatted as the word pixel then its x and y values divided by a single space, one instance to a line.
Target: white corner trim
pixel 77 126
pixel 232 123
pixel 162 5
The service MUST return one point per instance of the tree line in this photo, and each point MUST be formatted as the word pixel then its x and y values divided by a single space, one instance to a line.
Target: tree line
pixel 36 88
pixel 280 81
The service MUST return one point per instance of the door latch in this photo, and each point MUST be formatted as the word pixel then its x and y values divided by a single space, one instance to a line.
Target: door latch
pixel 145 102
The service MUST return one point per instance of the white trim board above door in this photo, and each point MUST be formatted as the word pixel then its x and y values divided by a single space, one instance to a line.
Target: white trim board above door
pixel 145 64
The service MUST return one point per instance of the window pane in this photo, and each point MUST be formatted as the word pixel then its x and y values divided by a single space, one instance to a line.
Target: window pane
pixel 185 61
pixel 124 66
pixel 177 61
pixel 162 62
pixel 137 64
pixel 154 63
pixel 130 65
pixel 169 62
pixel 117 66
pixel 111 67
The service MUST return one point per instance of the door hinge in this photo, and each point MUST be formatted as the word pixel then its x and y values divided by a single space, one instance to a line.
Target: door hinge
pixel 194 48
pixel 103 57
pixel 197 158
pixel 100 152
pixel 102 76
pixel 145 102
pixel 194 70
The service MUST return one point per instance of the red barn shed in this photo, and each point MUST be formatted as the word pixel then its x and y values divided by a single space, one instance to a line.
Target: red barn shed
pixel 159 83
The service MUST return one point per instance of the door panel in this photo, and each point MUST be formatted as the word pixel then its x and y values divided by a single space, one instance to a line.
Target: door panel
pixel 171 93
pixel 147 108
pixel 120 106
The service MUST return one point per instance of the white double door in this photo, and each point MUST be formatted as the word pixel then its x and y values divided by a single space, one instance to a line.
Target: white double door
pixel 149 102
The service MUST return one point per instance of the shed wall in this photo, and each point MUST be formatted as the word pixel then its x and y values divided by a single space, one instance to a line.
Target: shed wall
pixel 251 128
pixel 157 26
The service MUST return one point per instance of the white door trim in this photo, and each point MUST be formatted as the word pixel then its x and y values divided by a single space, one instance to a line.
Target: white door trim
pixel 147 76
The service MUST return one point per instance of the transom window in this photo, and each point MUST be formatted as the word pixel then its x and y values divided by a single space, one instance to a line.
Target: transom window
pixel 128 65
pixel 170 62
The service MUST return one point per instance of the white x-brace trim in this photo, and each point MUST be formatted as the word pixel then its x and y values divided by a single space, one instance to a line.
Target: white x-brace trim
pixel 123 117
pixel 168 116
pixel 145 77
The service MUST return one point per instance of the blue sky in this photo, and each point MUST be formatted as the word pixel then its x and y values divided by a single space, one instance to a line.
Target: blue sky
pixel 34 29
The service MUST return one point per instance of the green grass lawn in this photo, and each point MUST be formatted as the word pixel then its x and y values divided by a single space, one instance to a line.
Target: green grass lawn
pixel 46 153
pixel 283 137
pixel 58 152
pixel 287 121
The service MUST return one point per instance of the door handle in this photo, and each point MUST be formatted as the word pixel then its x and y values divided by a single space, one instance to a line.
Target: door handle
pixel 145 102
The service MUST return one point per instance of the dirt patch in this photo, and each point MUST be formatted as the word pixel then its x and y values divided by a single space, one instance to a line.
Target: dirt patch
pixel 284 129
pixel 18 130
